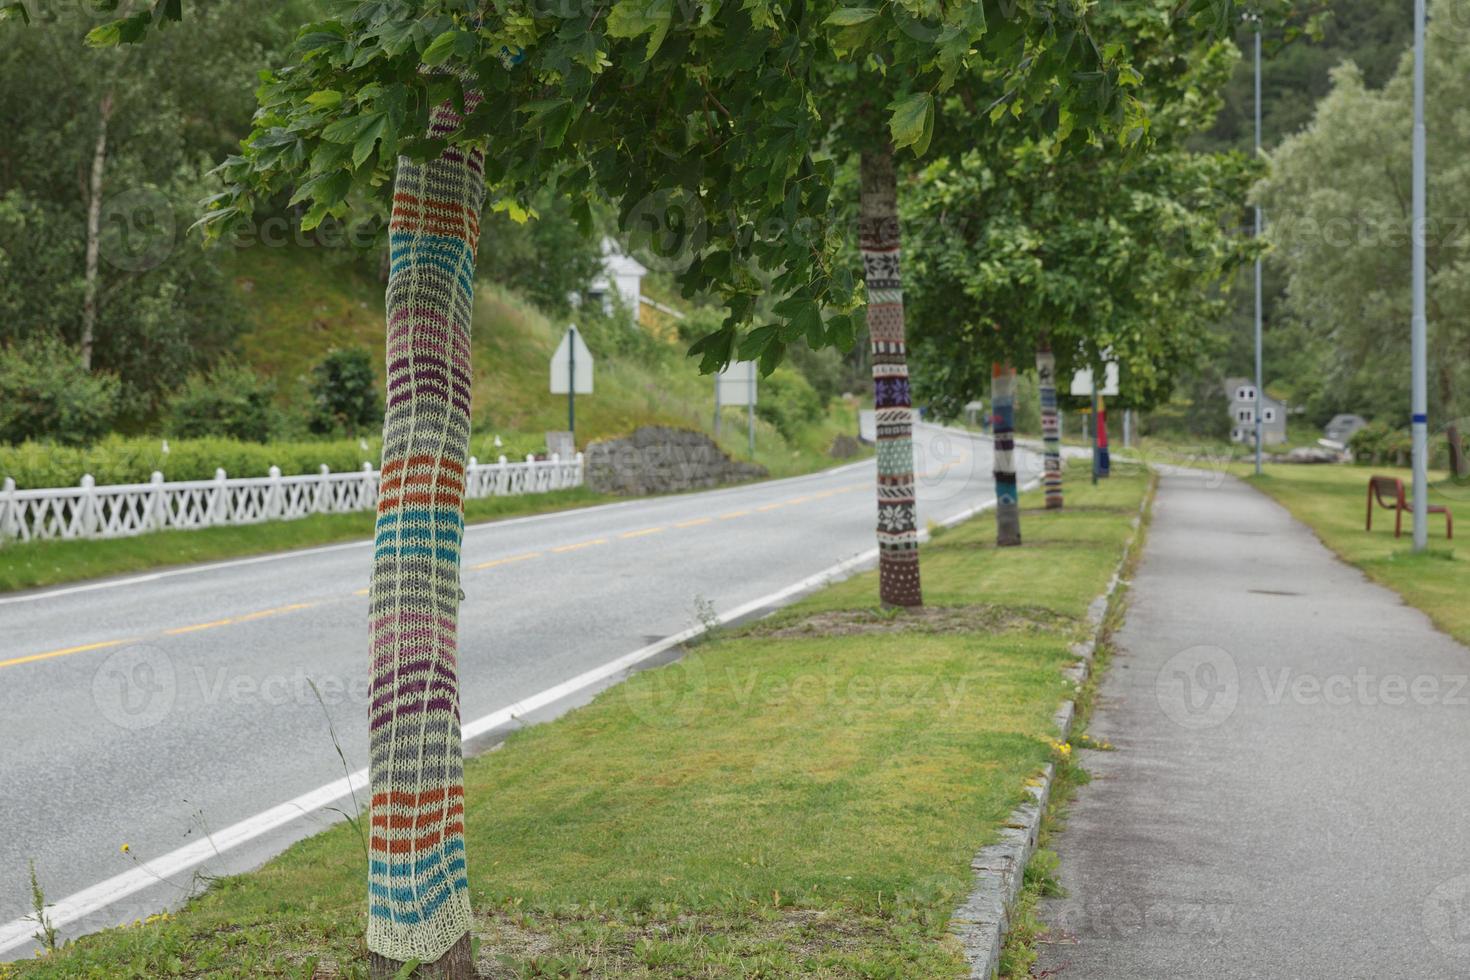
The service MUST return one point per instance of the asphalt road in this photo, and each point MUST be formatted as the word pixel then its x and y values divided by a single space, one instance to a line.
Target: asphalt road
pixel 1287 795
pixel 154 711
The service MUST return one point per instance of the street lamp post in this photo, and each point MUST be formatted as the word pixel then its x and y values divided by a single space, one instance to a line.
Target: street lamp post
pixel 1260 393
pixel 1420 408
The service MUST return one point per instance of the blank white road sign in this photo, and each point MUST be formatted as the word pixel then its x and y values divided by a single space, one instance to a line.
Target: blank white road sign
pixel 737 384
pixel 561 365
pixel 1082 381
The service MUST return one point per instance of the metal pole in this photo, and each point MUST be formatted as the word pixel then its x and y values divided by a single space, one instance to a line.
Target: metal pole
pixel 717 404
pixel 572 382
pixel 1420 418
pixel 1260 394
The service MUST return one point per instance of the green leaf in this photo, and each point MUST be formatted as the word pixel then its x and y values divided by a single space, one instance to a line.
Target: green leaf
pixel 439 49
pixel 756 342
pixel 368 139
pixel 631 18
pixel 912 122
pixel 806 321
pixel 850 16
pixel 8 10
pixel 841 332
pixel 325 99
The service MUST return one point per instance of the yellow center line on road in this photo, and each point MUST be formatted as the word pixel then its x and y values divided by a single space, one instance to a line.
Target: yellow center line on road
pixel 32 658
pixel 265 613
pixel 507 561
pixel 770 507
pixel 799 500
pixel 366 591
pixel 197 627
pixel 734 514
pixel 642 533
pixel 579 545
pixel 696 522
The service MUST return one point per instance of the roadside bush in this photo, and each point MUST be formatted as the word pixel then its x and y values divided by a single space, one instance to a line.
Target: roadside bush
pixel 231 401
pixel 133 460
pixel 45 393
pixel 344 394
pixel 1377 443
pixel 788 401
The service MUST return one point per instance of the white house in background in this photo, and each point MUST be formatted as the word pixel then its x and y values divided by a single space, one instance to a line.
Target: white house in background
pixel 1241 393
pixel 621 276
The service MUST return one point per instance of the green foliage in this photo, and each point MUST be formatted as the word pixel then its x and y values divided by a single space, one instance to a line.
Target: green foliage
pixel 231 401
pixel 344 393
pixel 117 459
pixel 548 259
pixel 177 105
pixel 1380 443
pixel 1100 255
pixel 45 393
pixel 789 402
pixel 1341 235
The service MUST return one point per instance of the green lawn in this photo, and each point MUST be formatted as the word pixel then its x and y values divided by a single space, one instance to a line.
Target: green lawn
pixel 1331 500
pixel 799 797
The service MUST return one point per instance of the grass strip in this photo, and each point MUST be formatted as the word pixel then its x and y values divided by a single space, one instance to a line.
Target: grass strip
pixel 798 797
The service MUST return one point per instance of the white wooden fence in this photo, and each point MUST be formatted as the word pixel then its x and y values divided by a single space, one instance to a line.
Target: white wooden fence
pixel 90 511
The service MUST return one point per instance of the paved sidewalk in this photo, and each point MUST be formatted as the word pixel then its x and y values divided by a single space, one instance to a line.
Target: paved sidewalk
pixel 1290 791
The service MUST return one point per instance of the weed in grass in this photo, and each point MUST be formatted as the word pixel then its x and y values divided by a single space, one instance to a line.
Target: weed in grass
pixel 46 933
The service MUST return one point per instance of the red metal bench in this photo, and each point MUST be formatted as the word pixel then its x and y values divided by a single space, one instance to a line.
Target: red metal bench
pixel 1396 502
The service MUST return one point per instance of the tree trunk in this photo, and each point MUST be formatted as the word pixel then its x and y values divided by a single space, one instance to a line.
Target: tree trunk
pixel 878 238
pixel 1051 431
pixel 1459 465
pixel 419 906
pixel 1003 426
pixel 94 231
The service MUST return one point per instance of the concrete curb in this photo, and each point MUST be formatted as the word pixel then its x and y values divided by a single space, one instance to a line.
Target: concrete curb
pixel 981 923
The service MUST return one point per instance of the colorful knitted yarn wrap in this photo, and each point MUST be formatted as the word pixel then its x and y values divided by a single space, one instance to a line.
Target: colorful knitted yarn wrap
pixel 1003 424
pixel 878 238
pixel 418 892
pixel 1104 459
pixel 1051 429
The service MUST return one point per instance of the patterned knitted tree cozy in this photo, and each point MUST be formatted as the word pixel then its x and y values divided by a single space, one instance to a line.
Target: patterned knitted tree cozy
pixel 1051 430
pixel 418 892
pixel 898 526
pixel 1007 502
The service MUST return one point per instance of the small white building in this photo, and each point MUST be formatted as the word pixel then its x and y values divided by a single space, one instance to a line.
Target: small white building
pixel 621 277
pixel 1241 393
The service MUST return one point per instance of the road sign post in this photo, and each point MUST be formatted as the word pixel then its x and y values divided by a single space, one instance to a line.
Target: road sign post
pixel 571 373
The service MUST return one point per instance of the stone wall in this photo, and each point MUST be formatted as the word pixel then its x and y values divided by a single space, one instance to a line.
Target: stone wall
pixel 656 459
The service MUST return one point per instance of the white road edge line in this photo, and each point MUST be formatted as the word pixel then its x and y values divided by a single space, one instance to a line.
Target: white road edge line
pixel 99 896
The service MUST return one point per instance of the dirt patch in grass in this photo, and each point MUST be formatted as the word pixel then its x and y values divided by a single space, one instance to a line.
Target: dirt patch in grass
pixel 514 945
pixel 926 619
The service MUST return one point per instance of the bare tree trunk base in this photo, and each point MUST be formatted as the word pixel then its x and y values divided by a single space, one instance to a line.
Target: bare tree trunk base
pixel 457 964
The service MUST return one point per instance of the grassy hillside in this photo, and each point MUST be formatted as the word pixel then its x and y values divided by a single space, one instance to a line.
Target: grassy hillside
pixel 649 382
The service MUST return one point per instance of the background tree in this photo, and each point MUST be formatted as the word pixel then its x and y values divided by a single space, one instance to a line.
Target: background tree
pixel 1340 230
pixel 1095 253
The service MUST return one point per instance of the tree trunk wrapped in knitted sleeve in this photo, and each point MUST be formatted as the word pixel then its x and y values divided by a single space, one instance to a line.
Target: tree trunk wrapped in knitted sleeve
pixel 1051 430
pixel 1007 501
pixel 418 891
pixel 898 525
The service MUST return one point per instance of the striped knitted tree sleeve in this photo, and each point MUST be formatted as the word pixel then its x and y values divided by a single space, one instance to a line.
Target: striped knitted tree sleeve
pixel 418 891
pixel 898 525
pixel 1051 431
pixel 1007 501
